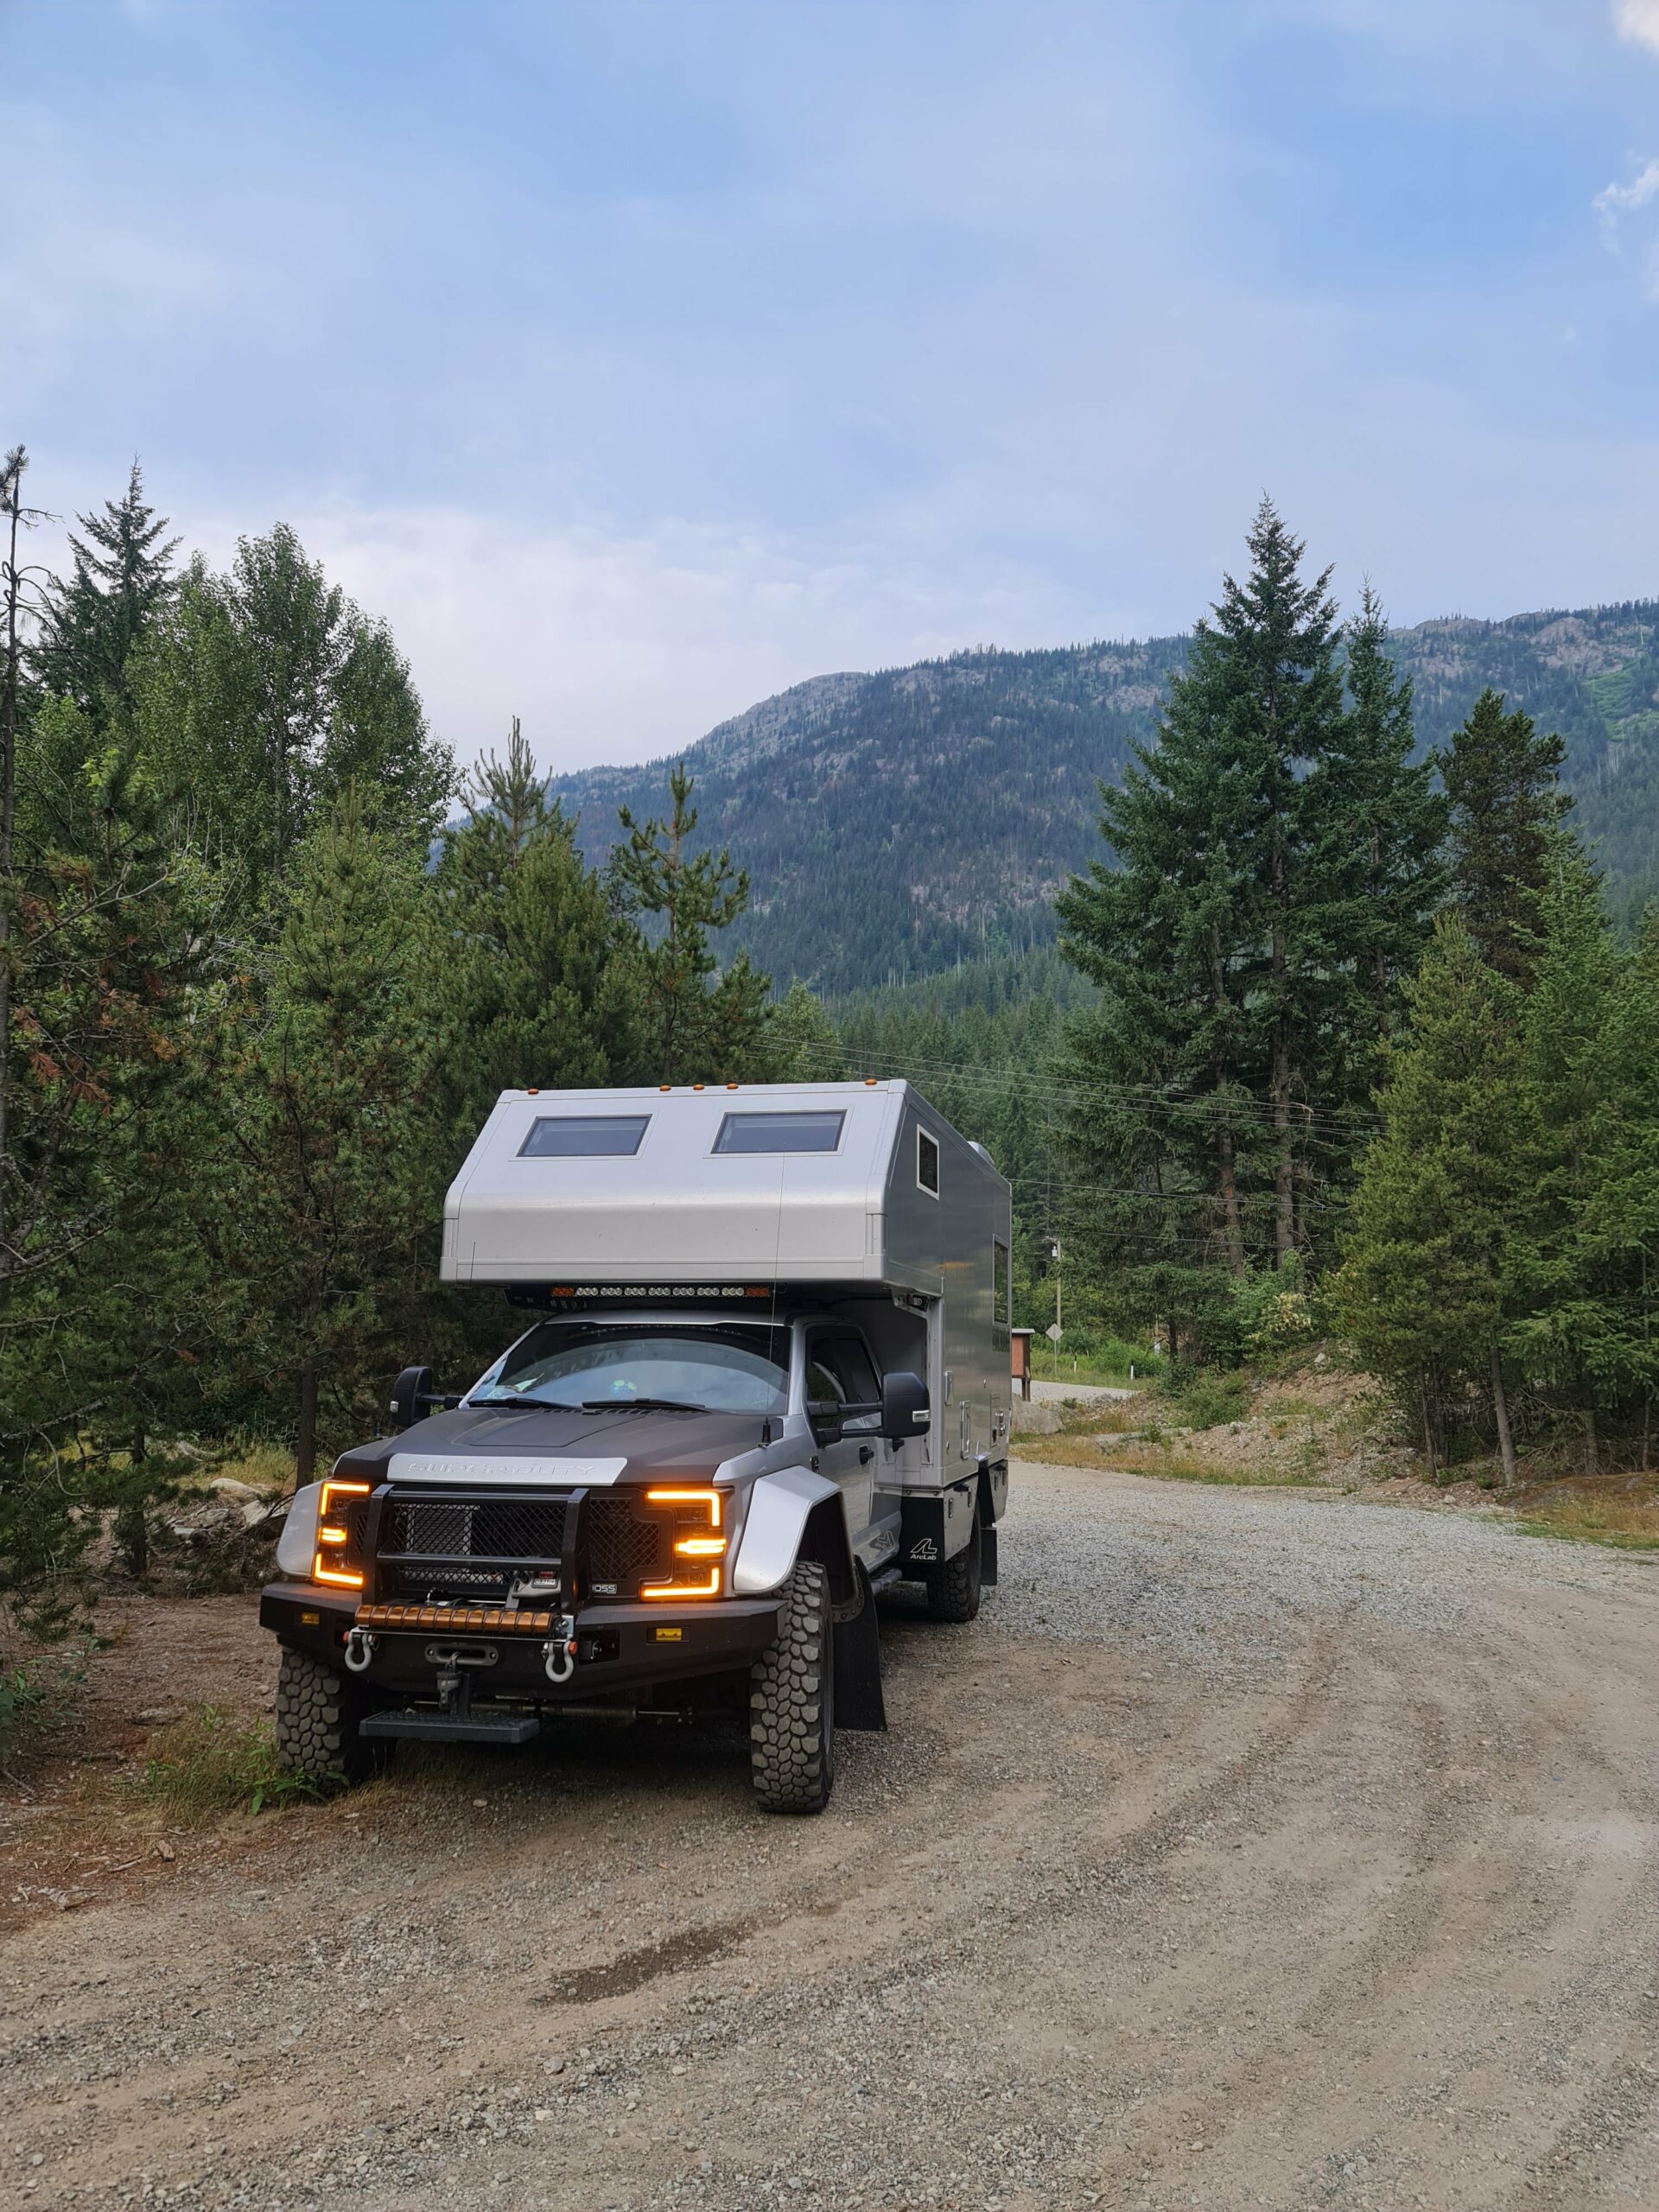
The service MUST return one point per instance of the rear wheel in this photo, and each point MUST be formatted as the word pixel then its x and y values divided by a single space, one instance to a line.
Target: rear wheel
pixel 793 1701
pixel 953 1589
pixel 317 1716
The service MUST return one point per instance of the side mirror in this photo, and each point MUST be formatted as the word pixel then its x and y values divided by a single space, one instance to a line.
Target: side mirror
pixel 411 1394
pixel 904 1411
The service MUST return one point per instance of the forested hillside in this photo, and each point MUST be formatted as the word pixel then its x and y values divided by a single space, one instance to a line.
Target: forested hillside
pixel 894 824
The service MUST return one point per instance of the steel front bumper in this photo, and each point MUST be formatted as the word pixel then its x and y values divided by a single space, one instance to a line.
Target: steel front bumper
pixel 620 1648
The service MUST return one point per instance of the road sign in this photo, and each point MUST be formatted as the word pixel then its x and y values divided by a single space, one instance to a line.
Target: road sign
pixel 1053 1332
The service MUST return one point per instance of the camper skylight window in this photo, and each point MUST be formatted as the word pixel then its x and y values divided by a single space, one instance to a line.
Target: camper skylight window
pixel 927 1163
pixel 780 1133
pixel 584 1136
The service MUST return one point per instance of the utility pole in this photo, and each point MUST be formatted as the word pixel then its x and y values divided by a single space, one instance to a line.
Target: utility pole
pixel 1056 1331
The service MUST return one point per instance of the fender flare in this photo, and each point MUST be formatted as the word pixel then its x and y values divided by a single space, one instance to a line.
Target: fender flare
pixel 794 1515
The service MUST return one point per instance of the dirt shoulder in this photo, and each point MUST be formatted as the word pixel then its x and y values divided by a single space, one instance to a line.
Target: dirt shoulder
pixel 1244 1851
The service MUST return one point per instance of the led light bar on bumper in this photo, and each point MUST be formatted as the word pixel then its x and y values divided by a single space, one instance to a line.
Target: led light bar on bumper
pixel 342 1529
pixel 699 1541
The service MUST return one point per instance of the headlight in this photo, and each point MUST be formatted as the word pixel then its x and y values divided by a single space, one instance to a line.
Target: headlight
pixel 342 1530
pixel 699 1542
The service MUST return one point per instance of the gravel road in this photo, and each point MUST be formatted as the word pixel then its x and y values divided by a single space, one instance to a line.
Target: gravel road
pixel 1249 1850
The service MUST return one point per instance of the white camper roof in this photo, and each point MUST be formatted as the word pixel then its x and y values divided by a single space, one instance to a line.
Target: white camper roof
pixel 721 1186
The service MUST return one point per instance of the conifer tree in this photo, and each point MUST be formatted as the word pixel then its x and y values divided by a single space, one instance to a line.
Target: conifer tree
pixel 336 1178
pixel 1444 1206
pixel 698 1031
pixel 1387 811
pixel 531 980
pixel 1582 1331
pixel 1218 941
pixel 266 693
pixel 803 1043
pixel 121 580
pixel 1506 812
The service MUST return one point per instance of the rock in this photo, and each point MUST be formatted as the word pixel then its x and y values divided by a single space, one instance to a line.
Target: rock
pixel 228 1487
pixel 158 1716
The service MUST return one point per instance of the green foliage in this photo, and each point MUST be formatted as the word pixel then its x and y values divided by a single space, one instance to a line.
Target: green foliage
pixel 1207 1397
pixel 208 1763
pixel 1274 863
pixel 262 694
pixel 1506 811
pixel 332 1178
pixel 533 984
pixel 120 582
pixel 702 1026
pixel 1445 1196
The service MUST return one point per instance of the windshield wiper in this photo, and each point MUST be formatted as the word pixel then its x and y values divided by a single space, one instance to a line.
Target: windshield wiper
pixel 527 1405
pixel 639 1406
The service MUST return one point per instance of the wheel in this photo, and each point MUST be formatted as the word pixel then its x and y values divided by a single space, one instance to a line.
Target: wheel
pixel 317 1713
pixel 953 1589
pixel 793 1702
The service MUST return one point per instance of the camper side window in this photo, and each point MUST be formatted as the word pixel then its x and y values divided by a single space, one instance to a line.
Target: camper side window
pixel 927 1163
pixel 998 1284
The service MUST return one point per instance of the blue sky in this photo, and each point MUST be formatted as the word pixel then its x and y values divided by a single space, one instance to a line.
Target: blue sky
pixel 638 359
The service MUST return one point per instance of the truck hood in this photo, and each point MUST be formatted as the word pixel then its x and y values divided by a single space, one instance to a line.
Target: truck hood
pixel 481 1445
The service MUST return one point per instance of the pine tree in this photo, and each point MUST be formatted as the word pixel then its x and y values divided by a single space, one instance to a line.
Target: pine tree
pixel 1443 1210
pixel 336 1178
pixel 1506 812
pixel 121 580
pixel 1392 819
pixel 1582 1334
pixel 1218 941
pixel 699 1033
pixel 266 694
pixel 532 975
pixel 802 1045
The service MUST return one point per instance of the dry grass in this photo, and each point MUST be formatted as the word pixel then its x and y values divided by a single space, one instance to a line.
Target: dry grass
pixel 209 1763
pixel 1620 1510
pixel 1069 1449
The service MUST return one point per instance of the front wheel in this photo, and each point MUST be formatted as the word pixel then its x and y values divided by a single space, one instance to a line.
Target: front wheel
pixel 317 1716
pixel 793 1701
pixel 953 1589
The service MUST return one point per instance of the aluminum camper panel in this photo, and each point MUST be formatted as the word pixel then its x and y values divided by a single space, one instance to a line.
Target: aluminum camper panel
pixel 677 1209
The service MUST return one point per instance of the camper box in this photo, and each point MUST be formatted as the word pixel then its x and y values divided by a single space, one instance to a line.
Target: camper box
pixel 855 1195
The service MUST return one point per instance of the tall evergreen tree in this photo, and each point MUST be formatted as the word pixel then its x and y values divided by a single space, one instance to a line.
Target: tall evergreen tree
pixel 1218 941
pixel 121 579
pixel 700 1031
pixel 1506 811
pixel 337 1176
pixel 1387 811
pixel 531 971
pixel 267 693
pixel 1439 1221
pixel 1583 1328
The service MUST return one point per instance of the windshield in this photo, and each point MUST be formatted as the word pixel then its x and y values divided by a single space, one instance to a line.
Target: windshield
pixel 578 1364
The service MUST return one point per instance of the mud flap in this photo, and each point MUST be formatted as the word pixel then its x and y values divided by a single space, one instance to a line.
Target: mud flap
pixel 857 1648
pixel 988 1553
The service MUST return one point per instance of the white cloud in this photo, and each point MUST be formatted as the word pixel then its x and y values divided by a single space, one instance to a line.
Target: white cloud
pixel 1624 199
pixel 616 647
pixel 1637 21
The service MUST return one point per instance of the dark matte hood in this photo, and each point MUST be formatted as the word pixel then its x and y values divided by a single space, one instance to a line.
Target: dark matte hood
pixel 676 1446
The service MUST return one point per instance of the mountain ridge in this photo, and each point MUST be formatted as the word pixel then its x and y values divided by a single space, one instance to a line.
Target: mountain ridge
pixel 897 821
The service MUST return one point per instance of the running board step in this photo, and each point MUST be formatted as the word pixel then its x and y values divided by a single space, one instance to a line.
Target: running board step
pixel 450 1728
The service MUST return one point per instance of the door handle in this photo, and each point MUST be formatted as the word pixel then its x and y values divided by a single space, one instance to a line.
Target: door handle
pixel 866 1453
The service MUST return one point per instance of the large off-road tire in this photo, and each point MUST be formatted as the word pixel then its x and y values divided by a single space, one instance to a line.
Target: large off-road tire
pixel 793 1701
pixel 953 1589
pixel 317 1713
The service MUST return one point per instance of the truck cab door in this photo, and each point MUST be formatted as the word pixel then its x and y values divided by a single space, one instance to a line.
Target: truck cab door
pixel 840 1371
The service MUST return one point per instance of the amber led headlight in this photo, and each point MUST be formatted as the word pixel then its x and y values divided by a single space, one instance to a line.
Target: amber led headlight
pixel 340 1534
pixel 699 1542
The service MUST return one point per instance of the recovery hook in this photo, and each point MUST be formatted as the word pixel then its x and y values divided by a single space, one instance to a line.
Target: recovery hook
pixel 359 1650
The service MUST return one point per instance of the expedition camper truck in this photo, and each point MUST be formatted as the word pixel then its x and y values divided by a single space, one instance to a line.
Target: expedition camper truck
pixel 766 1374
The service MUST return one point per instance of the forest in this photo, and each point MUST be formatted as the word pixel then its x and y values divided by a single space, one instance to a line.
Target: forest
pixel 1338 1033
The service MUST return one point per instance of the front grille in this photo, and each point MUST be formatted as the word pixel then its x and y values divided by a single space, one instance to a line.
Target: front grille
pixel 623 1548
pixel 485 1529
